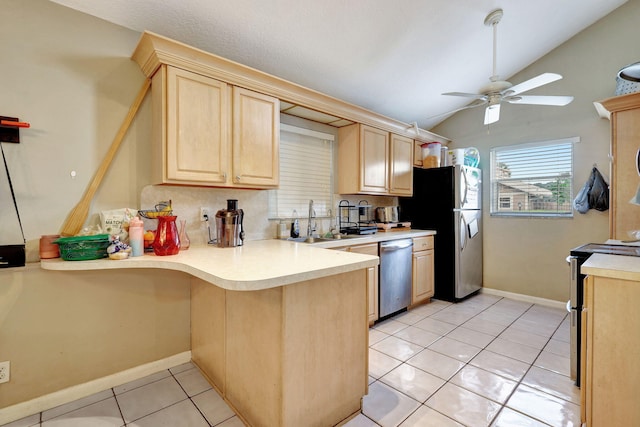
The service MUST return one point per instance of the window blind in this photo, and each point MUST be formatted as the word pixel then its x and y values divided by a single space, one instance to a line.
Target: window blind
pixel 306 165
pixel 534 179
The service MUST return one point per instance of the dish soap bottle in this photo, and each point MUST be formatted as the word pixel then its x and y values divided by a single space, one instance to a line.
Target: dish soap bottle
pixel 295 225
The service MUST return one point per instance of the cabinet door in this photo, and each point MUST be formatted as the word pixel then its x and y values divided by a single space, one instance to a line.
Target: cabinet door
pixel 417 154
pixel 624 216
pixel 374 160
pixel 256 139
pixel 197 126
pixel 422 286
pixel 401 162
pixel 612 342
pixel 372 279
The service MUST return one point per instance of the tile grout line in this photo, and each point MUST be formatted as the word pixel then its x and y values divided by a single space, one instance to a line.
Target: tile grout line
pixel 467 363
pixel 519 382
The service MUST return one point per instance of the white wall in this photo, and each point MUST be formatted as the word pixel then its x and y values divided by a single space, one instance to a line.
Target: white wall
pixel 527 255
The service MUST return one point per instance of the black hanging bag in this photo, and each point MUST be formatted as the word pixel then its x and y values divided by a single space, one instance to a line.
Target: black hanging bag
pixel 599 193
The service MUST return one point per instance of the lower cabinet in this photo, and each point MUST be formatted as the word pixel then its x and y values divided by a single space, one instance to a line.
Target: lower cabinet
pixel 422 275
pixel 611 350
pixel 422 278
pixel 372 279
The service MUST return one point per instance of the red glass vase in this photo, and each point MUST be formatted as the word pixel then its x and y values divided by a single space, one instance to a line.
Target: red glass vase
pixel 167 240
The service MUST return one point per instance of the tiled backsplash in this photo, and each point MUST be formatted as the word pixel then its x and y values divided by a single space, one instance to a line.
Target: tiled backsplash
pixel 187 201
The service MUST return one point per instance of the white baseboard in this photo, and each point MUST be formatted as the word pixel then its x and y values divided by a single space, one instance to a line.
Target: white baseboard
pixel 525 298
pixel 51 400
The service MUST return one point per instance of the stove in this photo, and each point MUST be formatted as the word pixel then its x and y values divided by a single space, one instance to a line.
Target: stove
pixel 605 248
pixel 577 257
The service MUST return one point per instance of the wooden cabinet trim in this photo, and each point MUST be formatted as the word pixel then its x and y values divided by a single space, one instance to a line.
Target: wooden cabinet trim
pixel 154 50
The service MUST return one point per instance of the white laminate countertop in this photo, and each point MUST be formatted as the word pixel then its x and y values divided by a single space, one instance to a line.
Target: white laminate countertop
pixel 258 264
pixel 613 266
pixel 372 238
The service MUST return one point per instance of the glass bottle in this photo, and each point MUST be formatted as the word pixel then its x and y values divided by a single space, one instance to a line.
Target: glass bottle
pixel 167 240
pixel 184 237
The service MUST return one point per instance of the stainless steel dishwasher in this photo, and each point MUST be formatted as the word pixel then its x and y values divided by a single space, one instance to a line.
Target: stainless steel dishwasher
pixel 395 276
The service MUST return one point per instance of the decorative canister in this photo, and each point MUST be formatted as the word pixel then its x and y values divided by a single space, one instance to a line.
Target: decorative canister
pixel 48 249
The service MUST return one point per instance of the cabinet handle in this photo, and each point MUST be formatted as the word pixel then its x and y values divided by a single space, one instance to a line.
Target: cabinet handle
pixel 237 178
pixel 224 176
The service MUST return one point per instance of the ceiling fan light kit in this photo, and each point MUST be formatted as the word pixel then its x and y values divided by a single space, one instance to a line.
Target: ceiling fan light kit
pixel 497 91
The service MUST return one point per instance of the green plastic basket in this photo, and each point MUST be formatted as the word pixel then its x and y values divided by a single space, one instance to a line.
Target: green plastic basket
pixel 82 248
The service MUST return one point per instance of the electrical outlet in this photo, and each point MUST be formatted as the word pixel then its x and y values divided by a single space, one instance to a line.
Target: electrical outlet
pixel 4 372
pixel 204 214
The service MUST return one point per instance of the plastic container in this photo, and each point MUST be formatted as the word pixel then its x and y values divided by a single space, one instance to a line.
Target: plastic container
pixel 136 236
pixel 472 157
pixel 431 152
pixel 456 156
pixel 82 248
pixel 444 156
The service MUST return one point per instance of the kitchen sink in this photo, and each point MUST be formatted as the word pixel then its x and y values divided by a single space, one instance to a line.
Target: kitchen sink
pixel 306 239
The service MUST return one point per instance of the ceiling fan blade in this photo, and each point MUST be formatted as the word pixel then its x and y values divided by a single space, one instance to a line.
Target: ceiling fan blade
pixel 540 100
pixel 466 95
pixel 492 114
pixel 476 103
pixel 533 83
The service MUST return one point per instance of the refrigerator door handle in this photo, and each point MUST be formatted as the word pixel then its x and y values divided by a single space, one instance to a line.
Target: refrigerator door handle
pixel 465 186
pixel 463 233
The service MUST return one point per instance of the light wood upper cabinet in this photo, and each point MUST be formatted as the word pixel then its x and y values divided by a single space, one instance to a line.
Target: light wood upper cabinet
pixel 401 176
pixel 423 269
pixel 196 115
pixel 417 154
pixel 373 161
pixel 256 136
pixel 210 133
pixel 625 142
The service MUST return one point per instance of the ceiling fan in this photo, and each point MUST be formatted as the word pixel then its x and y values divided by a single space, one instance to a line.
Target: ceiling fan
pixel 498 91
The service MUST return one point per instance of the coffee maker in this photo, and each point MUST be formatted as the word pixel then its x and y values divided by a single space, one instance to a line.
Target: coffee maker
pixel 229 225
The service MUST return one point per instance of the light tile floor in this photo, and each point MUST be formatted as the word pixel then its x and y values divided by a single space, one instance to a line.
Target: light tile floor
pixel 486 361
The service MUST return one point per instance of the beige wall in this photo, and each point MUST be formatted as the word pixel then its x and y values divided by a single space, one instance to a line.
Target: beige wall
pixel 70 76
pixel 527 255
pixel 60 329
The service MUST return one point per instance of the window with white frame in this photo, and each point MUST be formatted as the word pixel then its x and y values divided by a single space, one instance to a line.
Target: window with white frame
pixel 306 165
pixel 533 179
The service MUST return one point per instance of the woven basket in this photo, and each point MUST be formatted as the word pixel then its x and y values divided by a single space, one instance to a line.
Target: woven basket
pixel 82 248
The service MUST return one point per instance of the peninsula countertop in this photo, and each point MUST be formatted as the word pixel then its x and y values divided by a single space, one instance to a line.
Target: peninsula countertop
pixel 259 264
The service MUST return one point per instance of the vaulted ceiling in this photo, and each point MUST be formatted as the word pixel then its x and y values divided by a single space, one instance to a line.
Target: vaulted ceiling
pixel 392 57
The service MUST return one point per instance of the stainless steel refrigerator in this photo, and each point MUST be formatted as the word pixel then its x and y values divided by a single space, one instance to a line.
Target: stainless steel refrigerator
pixel 449 201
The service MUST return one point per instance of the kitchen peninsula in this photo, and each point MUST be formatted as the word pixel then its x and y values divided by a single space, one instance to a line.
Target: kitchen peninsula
pixel 283 337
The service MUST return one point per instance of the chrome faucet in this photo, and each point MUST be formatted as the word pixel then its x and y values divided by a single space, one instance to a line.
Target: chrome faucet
pixel 312 215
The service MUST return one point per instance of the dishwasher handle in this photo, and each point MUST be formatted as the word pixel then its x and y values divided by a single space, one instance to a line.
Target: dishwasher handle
pixel 392 245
